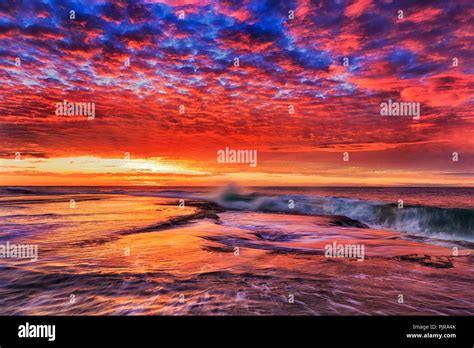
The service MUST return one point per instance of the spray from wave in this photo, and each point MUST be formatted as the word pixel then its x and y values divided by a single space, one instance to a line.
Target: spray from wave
pixel 443 223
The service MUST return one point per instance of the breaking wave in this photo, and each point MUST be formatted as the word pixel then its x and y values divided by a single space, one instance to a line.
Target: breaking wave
pixel 443 223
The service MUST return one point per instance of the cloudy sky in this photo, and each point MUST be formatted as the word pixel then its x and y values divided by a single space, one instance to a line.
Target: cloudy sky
pixel 183 53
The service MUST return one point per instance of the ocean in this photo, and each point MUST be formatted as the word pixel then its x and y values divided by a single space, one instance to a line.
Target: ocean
pixel 150 250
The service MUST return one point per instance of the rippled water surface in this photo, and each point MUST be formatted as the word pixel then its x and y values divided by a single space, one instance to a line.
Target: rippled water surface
pixel 131 253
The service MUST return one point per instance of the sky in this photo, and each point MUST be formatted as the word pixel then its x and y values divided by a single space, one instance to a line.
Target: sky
pixel 299 82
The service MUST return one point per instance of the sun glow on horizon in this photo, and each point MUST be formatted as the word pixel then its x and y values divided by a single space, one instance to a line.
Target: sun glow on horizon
pixel 99 171
pixel 90 167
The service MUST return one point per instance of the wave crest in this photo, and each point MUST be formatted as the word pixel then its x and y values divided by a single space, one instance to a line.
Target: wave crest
pixel 444 223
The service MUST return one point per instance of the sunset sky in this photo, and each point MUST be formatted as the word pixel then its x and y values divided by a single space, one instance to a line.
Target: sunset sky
pixel 190 61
